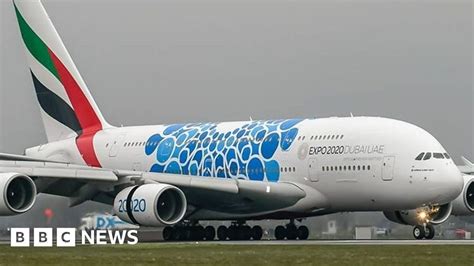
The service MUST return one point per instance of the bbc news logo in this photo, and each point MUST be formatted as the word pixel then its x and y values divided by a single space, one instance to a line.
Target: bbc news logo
pixel 66 237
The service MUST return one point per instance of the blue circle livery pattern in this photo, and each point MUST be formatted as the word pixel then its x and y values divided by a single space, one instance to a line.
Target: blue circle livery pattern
pixel 246 152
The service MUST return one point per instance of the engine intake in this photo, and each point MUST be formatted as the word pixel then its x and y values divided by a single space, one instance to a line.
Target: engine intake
pixel 151 205
pixel 19 193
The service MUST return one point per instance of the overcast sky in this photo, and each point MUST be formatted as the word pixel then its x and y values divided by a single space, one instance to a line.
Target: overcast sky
pixel 152 62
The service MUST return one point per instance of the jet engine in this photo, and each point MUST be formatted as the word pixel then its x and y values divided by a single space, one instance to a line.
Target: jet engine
pixel 464 203
pixel 429 214
pixel 19 193
pixel 151 205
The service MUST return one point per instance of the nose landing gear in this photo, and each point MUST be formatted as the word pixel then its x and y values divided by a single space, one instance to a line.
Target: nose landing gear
pixel 425 231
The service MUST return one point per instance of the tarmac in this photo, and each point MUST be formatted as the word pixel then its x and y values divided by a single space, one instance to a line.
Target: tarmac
pixel 334 242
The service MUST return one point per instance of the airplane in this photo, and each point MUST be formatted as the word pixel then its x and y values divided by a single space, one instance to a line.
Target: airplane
pixel 177 175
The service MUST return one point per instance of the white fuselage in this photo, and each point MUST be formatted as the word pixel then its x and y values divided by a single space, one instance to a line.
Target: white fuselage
pixel 358 164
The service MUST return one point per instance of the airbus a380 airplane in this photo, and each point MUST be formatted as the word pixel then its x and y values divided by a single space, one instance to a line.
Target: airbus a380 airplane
pixel 177 175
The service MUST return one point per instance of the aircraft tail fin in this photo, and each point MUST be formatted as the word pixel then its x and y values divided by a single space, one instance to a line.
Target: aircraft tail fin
pixel 67 107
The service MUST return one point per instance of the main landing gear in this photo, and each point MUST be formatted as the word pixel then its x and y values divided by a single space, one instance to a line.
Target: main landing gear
pixel 239 231
pixel 196 232
pixel 193 231
pixel 291 232
pixel 188 232
pixel 425 231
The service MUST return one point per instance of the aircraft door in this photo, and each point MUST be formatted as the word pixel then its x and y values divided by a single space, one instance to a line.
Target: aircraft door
pixel 114 149
pixel 387 168
pixel 313 170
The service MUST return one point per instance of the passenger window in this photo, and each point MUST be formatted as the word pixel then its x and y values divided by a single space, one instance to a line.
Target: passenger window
pixel 438 155
pixel 358 167
pixel 368 167
pixel 294 169
pixel 446 155
pixel 345 168
pixel 427 156
pixel 363 167
pixel 420 156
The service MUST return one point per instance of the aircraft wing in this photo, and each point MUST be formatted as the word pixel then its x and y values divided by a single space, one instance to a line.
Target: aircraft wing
pixel 23 158
pixel 82 183
pixel 467 168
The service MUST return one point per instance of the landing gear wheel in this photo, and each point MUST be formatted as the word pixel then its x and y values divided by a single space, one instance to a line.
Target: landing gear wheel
pixel 187 233
pixel 222 233
pixel 209 233
pixel 197 233
pixel 167 233
pixel 245 232
pixel 257 232
pixel 303 232
pixel 419 232
pixel 429 231
pixel 232 232
pixel 291 232
pixel 280 232
pixel 177 234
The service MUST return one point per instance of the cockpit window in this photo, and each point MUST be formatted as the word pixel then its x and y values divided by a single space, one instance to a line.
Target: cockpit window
pixel 427 156
pixel 420 156
pixel 438 155
pixel 446 155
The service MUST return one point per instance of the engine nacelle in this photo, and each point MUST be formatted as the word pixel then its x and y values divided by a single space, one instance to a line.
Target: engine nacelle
pixel 151 205
pixel 431 214
pixel 464 203
pixel 18 193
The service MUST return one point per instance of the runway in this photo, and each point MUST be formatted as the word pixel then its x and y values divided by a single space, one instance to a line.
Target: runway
pixel 333 242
